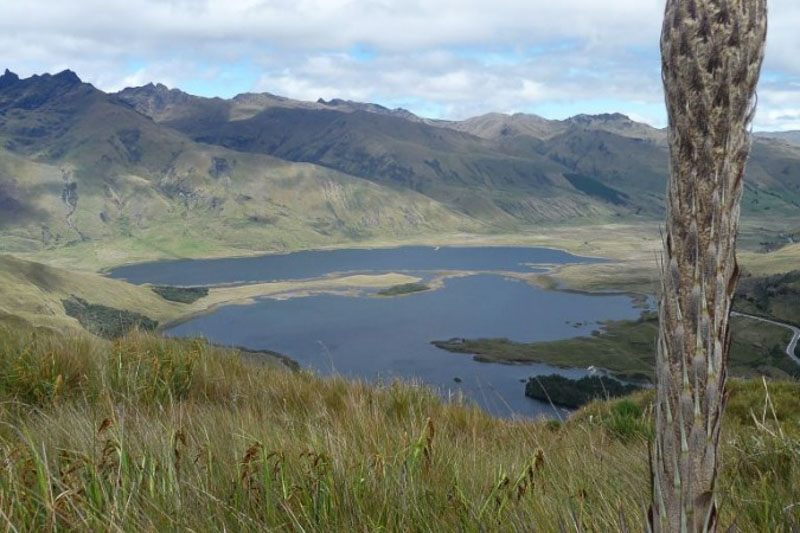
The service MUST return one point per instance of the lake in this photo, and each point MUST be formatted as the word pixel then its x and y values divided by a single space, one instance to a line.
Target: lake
pixel 318 263
pixel 378 338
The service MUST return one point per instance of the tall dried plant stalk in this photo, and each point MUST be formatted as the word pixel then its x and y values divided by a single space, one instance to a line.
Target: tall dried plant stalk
pixel 712 52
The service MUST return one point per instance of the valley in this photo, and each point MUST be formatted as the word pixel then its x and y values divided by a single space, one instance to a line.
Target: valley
pixel 357 334
pixel 152 180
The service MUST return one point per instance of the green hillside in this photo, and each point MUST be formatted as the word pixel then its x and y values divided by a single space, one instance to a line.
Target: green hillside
pixel 92 179
pixel 505 169
pixel 34 294
pixel 79 168
pixel 467 173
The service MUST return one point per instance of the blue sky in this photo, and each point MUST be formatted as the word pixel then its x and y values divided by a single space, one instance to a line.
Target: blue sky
pixel 439 58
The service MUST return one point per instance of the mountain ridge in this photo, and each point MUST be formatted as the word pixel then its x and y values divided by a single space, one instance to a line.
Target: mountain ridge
pixel 78 167
pixel 192 174
pixel 508 169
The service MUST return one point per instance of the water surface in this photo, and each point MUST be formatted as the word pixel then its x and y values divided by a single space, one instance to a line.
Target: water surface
pixel 317 263
pixel 383 338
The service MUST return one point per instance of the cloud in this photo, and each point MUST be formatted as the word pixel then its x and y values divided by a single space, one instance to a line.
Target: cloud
pixel 453 83
pixel 399 25
pixel 441 57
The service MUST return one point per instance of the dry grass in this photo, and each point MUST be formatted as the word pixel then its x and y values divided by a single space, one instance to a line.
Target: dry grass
pixel 33 293
pixel 150 434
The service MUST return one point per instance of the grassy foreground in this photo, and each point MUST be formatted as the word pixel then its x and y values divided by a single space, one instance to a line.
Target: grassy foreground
pixel 150 434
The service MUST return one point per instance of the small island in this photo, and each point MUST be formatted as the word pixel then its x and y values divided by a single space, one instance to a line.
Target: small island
pixel 405 288
pixel 574 393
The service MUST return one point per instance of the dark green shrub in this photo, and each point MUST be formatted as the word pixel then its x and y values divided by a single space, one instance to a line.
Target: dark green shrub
pixel 184 295
pixel 104 321
pixel 575 392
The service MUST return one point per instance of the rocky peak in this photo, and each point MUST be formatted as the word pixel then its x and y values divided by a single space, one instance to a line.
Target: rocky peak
pixel 152 98
pixel 38 90
pixel 350 105
pixel 152 88
pixel 258 97
pixel 8 79
pixel 67 77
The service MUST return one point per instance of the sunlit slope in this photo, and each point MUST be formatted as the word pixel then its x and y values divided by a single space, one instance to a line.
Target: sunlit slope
pixel 463 171
pixel 80 168
pixel 33 294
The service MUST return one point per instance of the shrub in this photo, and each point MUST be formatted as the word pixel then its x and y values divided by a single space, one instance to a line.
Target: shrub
pixel 626 421
pixel 575 392
pixel 106 322
pixel 184 295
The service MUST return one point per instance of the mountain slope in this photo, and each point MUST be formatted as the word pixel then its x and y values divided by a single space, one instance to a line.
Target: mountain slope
pixel 613 157
pixel 159 172
pixel 468 173
pixel 790 137
pixel 33 294
pixel 509 170
pixel 78 167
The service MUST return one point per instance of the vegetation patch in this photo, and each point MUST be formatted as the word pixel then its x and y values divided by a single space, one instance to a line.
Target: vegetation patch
pixel 774 297
pixel 627 349
pixel 405 288
pixel 184 295
pixel 624 348
pixel 574 393
pixel 106 322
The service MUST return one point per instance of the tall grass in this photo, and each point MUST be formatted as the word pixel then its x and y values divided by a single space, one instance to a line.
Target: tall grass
pixel 151 434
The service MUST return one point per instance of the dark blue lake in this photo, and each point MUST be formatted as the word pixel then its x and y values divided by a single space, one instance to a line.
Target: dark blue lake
pixel 378 338
pixel 317 263
pixel 383 338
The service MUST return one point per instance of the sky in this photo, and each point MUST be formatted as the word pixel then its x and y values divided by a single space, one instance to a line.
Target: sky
pixel 448 59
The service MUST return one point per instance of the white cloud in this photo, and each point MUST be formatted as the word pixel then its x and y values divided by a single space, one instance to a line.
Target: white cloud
pixel 309 24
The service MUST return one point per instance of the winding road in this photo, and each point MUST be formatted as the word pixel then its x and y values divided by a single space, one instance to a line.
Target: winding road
pixel 790 349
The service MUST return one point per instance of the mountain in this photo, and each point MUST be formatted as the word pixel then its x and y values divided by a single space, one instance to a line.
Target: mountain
pixel 349 105
pixel 790 137
pixel 508 170
pixel 164 105
pixel 469 173
pixel 499 125
pixel 79 167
